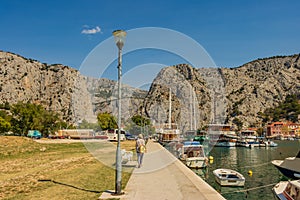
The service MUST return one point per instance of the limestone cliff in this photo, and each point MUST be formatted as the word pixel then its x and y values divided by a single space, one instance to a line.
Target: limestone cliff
pixel 199 96
pixel 59 88
pixel 223 94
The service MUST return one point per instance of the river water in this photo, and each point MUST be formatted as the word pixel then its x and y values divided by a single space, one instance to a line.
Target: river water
pixel 242 159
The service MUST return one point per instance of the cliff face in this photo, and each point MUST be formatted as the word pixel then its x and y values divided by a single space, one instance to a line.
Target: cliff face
pixel 27 80
pixel 260 84
pixel 223 94
pixel 58 88
pixel 199 96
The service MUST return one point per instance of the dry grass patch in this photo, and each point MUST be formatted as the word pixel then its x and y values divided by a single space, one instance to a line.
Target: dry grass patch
pixel 30 170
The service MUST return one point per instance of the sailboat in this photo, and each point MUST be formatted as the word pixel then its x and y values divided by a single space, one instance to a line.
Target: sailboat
pixel 169 132
pixel 192 133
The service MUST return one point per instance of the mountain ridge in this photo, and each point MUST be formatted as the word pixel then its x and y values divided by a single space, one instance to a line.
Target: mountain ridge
pixel 212 95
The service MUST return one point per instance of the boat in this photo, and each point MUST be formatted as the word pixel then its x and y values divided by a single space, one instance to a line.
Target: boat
pixel 221 135
pixel 248 138
pixel 169 132
pixel 226 141
pixel 192 154
pixel 229 177
pixel 290 167
pixel 271 144
pixel 200 136
pixel 242 143
pixel 287 190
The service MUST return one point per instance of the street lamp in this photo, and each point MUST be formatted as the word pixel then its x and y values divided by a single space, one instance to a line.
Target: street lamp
pixel 119 39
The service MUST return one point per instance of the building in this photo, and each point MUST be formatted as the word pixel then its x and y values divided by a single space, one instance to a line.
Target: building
pixel 283 130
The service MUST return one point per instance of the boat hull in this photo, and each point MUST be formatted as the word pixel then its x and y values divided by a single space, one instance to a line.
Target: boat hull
pixel 287 172
pixel 226 177
pixel 278 190
pixel 225 144
pixel 287 190
pixel 196 162
pixel 232 183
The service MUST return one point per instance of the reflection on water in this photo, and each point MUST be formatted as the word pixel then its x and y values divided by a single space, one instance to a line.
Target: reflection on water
pixel 258 160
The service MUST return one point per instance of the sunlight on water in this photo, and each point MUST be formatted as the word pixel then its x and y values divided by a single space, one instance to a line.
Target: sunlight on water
pixel 258 160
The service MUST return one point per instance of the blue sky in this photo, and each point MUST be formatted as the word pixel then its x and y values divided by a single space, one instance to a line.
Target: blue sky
pixel 232 32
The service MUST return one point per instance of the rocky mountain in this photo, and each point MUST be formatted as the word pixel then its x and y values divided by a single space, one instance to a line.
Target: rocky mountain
pixel 223 94
pixel 199 95
pixel 57 87
pixel 260 84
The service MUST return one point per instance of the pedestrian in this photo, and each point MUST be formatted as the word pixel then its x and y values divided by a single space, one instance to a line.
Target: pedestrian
pixel 140 149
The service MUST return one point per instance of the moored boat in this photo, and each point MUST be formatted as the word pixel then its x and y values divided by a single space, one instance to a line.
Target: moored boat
pixel 169 132
pixel 221 135
pixel 193 155
pixel 228 177
pixel 248 138
pixel 287 190
pixel 271 144
pixel 290 167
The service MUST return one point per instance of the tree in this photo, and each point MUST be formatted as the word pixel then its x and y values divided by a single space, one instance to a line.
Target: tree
pixel 106 121
pixel 238 123
pixel 86 125
pixel 287 110
pixel 260 132
pixel 28 116
pixel 139 124
pixel 140 120
pixel 4 125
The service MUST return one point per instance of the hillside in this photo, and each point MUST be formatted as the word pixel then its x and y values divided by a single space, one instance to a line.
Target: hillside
pixel 260 84
pixel 58 88
pixel 199 95
pixel 223 94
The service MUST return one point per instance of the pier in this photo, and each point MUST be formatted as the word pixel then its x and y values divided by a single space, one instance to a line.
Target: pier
pixel 163 176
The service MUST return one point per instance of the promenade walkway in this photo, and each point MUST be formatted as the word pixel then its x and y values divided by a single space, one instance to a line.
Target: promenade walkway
pixel 163 177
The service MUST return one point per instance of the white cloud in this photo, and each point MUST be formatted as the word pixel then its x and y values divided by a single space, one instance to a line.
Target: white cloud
pixel 88 31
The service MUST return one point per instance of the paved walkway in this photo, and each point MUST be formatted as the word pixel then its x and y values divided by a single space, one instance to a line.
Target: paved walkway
pixel 164 177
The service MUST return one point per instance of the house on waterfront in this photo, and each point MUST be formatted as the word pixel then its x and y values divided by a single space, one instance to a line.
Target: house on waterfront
pixel 283 130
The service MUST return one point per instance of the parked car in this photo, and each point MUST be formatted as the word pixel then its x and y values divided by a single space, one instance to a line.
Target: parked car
pixel 35 134
pixel 129 136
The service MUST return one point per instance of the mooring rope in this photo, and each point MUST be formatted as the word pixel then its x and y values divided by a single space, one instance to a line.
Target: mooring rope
pixel 250 189
pixel 258 165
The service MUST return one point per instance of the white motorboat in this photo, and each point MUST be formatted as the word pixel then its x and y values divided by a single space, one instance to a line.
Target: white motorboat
pixel 192 154
pixel 287 190
pixel 290 167
pixel 271 144
pixel 228 177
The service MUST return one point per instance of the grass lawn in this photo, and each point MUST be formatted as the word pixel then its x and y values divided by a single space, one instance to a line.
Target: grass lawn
pixel 31 170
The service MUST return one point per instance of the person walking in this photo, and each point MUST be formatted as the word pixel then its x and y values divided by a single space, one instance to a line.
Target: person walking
pixel 140 149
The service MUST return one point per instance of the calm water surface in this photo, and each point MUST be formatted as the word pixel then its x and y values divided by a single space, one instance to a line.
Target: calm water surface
pixel 258 160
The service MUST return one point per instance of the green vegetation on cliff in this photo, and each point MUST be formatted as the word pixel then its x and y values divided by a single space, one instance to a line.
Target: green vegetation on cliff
pixel 287 110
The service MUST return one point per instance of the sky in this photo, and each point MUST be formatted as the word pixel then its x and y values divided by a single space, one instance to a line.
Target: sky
pixel 231 32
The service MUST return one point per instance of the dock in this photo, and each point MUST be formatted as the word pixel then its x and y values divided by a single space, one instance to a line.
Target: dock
pixel 163 176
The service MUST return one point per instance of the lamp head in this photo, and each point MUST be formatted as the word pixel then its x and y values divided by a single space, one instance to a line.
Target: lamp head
pixel 120 36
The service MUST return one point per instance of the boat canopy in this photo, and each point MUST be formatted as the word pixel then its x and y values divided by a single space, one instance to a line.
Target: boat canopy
pixel 191 143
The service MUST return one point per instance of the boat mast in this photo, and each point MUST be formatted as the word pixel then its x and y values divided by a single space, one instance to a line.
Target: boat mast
pixel 194 109
pixel 170 109
pixel 191 109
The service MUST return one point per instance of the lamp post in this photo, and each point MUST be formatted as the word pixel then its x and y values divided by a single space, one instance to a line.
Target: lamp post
pixel 119 39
